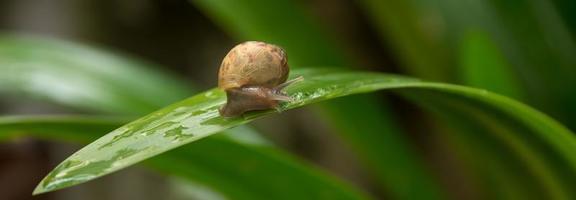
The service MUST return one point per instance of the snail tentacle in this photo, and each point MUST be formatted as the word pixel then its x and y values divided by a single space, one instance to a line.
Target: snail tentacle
pixel 288 83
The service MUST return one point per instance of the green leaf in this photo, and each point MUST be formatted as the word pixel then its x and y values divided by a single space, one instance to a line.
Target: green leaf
pixel 517 152
pixel 87 78
pixel 70 128
pixel 252 172
pixel 281 22
pixel 529 137
pixel 542 50
pixel 236 170
pixel 307 43
pixel 484 66
pixel 417 35
pixel 83 77
pixel 534 40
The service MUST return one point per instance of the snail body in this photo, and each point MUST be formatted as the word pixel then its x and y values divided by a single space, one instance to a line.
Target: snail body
pixel 253 75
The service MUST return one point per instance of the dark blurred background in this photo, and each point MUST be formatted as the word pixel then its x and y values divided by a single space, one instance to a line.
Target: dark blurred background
pixel 179 36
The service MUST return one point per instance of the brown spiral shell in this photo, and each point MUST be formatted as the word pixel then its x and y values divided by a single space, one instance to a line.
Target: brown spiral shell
pixel 253 63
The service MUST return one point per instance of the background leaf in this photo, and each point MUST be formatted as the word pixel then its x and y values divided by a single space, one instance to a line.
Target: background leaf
pixel 84 77
pixel 259 172
pixel 506 142
pixel 415 33
pixel 484 66
pixel 534 40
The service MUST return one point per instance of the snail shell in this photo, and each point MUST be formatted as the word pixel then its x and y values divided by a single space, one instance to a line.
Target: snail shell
pixel 253 64
pixel 253 75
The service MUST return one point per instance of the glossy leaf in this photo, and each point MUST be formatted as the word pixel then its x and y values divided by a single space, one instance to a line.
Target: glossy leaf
pixel 530 137
pixel 258 172
pixel 83 77
pixel 308 43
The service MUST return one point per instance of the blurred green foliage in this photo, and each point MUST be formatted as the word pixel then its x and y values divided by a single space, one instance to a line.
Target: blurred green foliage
pixel 522 49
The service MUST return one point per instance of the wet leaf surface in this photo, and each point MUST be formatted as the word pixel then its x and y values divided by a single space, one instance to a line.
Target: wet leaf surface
pixel 197 117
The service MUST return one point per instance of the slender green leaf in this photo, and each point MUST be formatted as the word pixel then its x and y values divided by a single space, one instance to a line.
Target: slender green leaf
pixel 83 77
pixel 484 66
pixel 512 155
pixel 543 51
pixel 285 22
pixel 70 128
pixel 80 76
pixel 531 138
pixel 416 33
pixel 236 170
pixel 252 172
pixel 533 38
pixel 281 22
pixel 86 78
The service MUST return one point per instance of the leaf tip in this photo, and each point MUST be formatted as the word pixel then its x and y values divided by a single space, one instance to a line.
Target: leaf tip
pixel 40 189
pixel 49 184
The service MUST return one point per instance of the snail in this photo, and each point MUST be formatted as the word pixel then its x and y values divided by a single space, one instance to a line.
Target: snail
pixel 253 75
